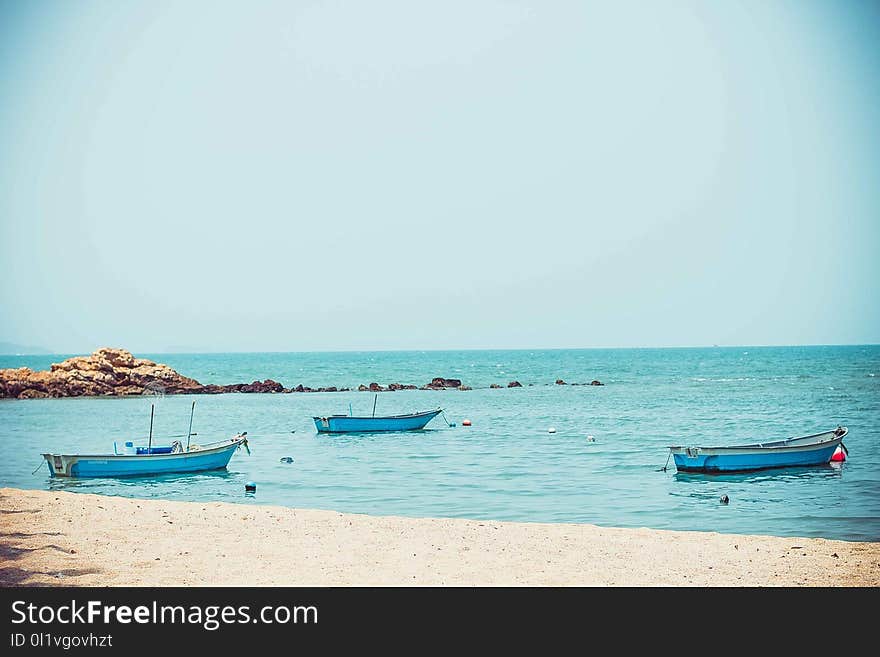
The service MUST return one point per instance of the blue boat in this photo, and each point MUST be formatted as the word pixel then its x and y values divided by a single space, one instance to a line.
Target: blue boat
pixel 136 461
pixel 352 424
pixel 812 450
pixel 151 460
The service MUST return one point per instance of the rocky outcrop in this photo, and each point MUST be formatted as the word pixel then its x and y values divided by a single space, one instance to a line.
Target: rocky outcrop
pixel 439 383
pixel 107 372
pixel 257 386
pixel 116 372
pixel 401 386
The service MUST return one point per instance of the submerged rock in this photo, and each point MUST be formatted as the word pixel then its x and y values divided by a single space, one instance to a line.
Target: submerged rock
pixel 401 386
pixel 257 386
pixel 514 384
pixel 439 383
pixel 495 385
pixel 596 382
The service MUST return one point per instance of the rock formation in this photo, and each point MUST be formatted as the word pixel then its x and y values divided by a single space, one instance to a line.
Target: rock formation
pixel 116 372
pixel 113 372
pixel 105 372
pixel 401 386
pixel 439 383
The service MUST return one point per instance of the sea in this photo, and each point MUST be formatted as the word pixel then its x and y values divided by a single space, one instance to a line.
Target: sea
pixel 602 465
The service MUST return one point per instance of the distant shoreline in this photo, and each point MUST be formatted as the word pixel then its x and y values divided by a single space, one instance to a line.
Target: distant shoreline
pixel 81 539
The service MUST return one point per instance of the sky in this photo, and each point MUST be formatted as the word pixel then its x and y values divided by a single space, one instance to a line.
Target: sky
pixel 298 176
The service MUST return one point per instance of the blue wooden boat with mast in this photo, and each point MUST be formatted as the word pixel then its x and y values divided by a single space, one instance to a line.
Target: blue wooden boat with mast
pixel 135 461
pixel 815 449
pixel 373 423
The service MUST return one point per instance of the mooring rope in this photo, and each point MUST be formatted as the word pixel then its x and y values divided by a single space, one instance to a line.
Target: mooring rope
pixel 663 469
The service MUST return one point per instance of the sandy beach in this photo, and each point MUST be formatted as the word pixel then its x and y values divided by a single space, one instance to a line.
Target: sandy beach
pixel 57 538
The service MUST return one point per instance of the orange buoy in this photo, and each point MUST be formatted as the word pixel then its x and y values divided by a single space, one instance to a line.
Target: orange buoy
pixel 838 456
pixel 465 423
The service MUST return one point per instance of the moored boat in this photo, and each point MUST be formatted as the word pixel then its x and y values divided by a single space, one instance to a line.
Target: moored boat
pixel 815 449
pixel 353 424
pixel 136 460
pixel 147 460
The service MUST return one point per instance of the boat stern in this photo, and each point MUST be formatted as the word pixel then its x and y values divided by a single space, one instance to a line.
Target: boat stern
pixel 59 465
pixel 689 459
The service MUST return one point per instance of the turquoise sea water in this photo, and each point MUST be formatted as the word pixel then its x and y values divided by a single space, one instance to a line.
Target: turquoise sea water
pixel 506 466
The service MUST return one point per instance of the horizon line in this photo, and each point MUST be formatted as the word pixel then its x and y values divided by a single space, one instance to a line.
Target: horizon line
pixel 445 350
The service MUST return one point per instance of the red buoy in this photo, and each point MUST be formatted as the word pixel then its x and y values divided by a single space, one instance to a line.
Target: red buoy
pixel 465 423
pixel 838 456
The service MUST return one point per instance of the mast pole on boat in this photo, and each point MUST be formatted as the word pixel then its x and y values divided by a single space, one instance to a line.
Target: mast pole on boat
pixel 375 399
pixel 189 433
pixel 150 443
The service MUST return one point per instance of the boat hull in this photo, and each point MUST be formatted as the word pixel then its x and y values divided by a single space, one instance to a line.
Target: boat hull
pixel 348 424
pixel 124 465
pixel 797 452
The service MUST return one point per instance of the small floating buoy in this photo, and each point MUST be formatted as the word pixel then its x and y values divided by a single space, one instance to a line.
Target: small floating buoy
pixel 250 487
pixel 465 423
pixel 591 439
pixel 725 499
pixel 839 455
pixel 287 459
pixel 551 430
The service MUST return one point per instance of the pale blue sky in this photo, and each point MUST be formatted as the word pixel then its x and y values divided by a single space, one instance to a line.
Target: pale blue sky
pixel 288 176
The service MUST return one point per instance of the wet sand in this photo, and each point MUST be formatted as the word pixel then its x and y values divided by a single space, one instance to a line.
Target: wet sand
pixel 72 539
